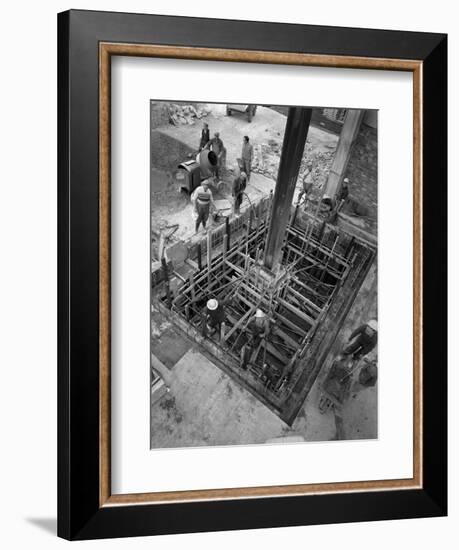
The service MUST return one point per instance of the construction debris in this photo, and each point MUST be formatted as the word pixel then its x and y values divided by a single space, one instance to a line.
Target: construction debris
pixel 185 114
pixel 267 156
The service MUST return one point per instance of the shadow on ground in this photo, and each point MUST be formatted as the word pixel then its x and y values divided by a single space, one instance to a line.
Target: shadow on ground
pixel 49 525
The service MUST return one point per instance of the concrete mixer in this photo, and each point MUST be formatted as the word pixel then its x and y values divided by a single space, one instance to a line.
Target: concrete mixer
pixel 191 172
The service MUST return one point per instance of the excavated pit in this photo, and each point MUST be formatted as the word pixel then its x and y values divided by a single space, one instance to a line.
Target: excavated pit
pixel 306 299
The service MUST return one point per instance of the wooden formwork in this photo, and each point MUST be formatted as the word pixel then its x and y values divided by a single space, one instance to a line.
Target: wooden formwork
pixel 306 303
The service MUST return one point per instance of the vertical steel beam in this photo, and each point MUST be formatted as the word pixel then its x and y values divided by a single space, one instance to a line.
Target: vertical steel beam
pixel 296 132
pixel 347 137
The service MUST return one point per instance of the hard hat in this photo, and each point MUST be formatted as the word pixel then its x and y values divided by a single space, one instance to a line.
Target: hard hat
pixel 310 163
pixel 373 324
pixel 212 304
pixel 259 314
pixel 326 198
pixel 243 175
pixel 346 180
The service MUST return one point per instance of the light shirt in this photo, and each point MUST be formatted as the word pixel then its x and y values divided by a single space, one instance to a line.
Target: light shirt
pixel 247 151
pixel 202 196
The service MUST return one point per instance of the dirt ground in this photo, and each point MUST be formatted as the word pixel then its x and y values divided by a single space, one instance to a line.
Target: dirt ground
pixel 174 144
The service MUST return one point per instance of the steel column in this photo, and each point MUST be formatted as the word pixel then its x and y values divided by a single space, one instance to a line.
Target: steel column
pixel 296 132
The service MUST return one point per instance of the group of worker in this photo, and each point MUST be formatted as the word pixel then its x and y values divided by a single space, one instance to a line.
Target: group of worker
pixel 215 145
pixel 339 381
pixel 360 343
pixel 202 198
pixel 213 324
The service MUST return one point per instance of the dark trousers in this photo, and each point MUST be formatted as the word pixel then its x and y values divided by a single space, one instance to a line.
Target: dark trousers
pixel 237 203
pixel 212 326
pixel 203 214
pixel 358 348
pixel 246 167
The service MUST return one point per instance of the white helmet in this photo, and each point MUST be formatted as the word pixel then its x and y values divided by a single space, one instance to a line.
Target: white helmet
pixel 212 304
pixel 259 314
pixel 373 324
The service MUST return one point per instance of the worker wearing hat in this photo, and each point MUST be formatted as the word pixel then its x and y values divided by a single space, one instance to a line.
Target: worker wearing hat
pixel 362 340
pixel 344 191
pixel 258 327
pixel 213 320
pixel 239 185
pixel 202 200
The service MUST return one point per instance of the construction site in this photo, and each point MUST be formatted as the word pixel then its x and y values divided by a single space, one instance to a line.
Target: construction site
pixel 288 244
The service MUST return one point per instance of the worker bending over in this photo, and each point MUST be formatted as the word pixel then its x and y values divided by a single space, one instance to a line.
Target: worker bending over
pixel 213 318
pixel 364 339
pixel 259 327
pixel 344 191
pixel 202 200
pixel 239 185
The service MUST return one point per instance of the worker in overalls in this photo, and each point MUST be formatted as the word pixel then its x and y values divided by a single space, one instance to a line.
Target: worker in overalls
pixel 202 200
pixel 362 340
pixel 258 328
pixel 239 185
pixel 213 319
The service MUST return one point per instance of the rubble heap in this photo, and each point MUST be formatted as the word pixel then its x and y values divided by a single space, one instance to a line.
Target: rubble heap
pixel 185 114
pixel 266 157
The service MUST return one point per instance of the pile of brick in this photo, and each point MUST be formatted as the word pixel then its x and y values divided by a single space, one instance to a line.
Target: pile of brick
pixel 185 114
pixel 266 157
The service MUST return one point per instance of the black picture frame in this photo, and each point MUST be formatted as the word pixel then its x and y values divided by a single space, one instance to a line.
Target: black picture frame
pixel 80 515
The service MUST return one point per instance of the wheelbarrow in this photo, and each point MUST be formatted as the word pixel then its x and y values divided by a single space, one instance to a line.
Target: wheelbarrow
pixel 223 208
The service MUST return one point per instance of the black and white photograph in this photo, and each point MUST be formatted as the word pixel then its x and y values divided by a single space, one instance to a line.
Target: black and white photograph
pixel 264 319
pixel 226 324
